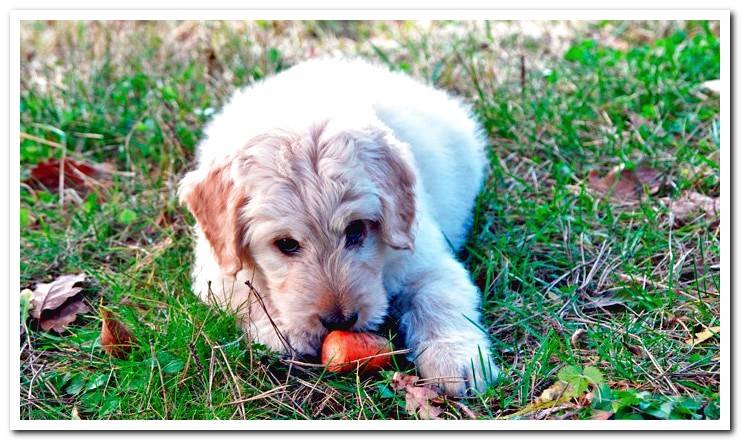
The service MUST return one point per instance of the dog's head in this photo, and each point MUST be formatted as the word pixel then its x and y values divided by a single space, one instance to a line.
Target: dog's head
pixel 315 214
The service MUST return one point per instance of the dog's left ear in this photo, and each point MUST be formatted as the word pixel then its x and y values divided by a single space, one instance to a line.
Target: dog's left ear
pixel 215 201
pixel 383 158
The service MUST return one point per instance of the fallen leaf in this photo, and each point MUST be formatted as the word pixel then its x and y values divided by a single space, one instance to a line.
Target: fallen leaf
pixel 54 304
pixel 623 385
pixel 649 177
pixel 50 296
pixel 420 400
pixel 556 391
pixel 635 350
pixel 625 186
pixel 115 338
pixel 691 203
pixel 577 337
pixel 77 175
pixel 700 337
pixel 60 318
pixel 712 85
pixel 75 413
pixel 400 381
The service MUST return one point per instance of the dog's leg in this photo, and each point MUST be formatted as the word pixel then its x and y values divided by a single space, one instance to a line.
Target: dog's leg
pixel 440 319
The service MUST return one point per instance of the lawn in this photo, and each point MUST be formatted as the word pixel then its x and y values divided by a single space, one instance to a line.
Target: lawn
pixel 597 281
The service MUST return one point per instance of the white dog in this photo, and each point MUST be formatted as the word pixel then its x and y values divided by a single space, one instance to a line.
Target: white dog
pixel 336 189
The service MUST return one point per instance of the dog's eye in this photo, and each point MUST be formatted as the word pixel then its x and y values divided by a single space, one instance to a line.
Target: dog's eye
pixel 287 246
pixel 354 233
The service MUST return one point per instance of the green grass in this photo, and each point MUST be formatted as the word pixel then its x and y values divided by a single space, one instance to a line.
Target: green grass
pixel 545 250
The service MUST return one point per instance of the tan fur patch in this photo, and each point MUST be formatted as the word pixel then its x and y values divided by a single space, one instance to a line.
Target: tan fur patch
pixel 215 204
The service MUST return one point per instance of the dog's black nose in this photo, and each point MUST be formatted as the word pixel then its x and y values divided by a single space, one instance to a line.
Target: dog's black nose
pixel 338 321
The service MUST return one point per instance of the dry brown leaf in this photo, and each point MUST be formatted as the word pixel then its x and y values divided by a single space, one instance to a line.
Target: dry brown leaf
pixel 59 319
pixel 625 186
pixel 635 350
pixel 578 337
pixel 49 296
pixel 400 381
pixel 420 400
pixel 115 337
pixel 54 304
pixel 692 203
pixel 550 400
pixel 700 337
pixel 649 177
pixel 559 389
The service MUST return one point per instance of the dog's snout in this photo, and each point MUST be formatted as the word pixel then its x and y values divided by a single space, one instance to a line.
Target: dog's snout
pixel 339 321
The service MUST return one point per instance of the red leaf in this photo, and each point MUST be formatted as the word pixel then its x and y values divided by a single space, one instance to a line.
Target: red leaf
pixel 115 337
pixel 77 175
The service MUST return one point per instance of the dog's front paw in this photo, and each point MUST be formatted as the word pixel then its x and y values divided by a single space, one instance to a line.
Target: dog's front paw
pixel 457 366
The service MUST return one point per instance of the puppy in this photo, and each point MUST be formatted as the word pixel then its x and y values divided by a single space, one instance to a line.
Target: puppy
pixel 333 194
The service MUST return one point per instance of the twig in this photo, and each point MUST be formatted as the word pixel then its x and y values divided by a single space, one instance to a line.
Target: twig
pixel 41 140
pixel 61 175
pixel 286 345
pixel 162 379
pixel 234 379
pixel 523 73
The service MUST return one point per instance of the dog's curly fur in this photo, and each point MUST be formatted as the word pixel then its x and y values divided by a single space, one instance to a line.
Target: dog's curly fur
pixel 305 153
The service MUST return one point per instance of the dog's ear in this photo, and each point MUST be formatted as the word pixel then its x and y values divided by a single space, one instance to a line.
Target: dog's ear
pixel 215 201
pixel 396 179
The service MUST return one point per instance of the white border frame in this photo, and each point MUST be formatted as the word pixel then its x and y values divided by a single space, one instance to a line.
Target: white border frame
pixel 723 16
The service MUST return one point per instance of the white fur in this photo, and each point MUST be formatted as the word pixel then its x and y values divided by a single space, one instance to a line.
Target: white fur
pixel 440 141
